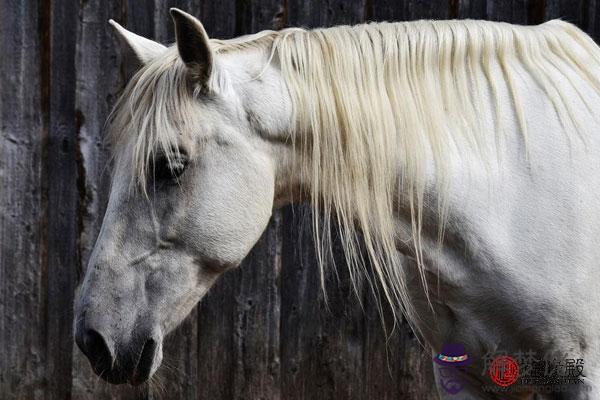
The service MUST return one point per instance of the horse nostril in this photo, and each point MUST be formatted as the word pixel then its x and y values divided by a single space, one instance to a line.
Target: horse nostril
pixel 144 365
pixel 96 350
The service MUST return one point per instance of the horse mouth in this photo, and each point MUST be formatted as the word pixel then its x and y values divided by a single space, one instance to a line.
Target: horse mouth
pixel 137 375
pixel 143 368
pixel 113 376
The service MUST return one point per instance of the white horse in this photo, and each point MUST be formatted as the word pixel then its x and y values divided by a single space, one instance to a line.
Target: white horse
pixel 470 147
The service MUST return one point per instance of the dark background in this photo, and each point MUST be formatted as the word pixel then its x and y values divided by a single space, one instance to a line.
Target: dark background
pixel 265 331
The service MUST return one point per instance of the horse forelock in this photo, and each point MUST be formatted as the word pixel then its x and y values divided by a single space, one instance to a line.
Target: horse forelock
pixel 157 107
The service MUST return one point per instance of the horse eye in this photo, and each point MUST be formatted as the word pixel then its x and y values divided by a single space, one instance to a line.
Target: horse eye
pixel 165 171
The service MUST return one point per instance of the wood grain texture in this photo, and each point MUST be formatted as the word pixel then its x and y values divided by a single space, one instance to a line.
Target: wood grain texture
pixel 100 78
pixel 266 330
pixel 60 169
pixel 387 10
pixel 571 11
pixel 475 9
pixel 590 18
pixel 314 14
pixel 23 134
pixel 516 11
pixel 429 9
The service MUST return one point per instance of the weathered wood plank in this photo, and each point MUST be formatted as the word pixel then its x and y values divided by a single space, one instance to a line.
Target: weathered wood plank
pixel 397 367
pixel 322 338
pixel 268 14
pixel 60 169
pixel 383 358
pixel 216 313
pixel 590 18
pixel 163 25
pixel 23 124
pixel 509 10
pixel 513 11
pixel 100 78
pixel 314 14
pixel 475 9
pixel 406 10
pixel 253 17
pixel 388 10
pixel 177 376
pixel 572 11
pixel 426 9
pixel 256 324
pixel 300 312
pixel 219 18
pixel 215 340
pixel 516 11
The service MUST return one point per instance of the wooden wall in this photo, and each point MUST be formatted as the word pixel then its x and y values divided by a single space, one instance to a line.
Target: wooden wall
pixel 265 331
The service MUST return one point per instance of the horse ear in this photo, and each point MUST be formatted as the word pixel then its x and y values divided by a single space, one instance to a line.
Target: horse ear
pixel 143 50
pixel 193 45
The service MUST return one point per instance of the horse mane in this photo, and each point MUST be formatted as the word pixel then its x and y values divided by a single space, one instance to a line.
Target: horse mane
pixel 374 99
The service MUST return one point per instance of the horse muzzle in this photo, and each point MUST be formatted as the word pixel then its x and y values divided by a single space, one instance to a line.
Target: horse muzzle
pixel 134 362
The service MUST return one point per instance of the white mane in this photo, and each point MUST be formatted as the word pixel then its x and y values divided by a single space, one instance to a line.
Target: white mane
pixel 368 99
